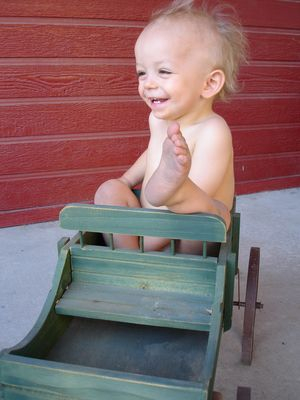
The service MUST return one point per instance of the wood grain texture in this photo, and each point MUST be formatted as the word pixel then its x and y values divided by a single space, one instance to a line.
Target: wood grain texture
pixel 83 40
pixel 266 139
pixel 272 13
pixel 270 77
pixel 90 383
pixel 62 78
pixel 74 40
pixel 79 152
pixel 94 151
pixel 71 78
pixel 123 304
pixel 113 219
pixel 69 116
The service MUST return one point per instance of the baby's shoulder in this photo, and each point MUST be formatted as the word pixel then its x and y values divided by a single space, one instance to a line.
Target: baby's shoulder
pixel 213 127
pixel 215 122
pixel 212 133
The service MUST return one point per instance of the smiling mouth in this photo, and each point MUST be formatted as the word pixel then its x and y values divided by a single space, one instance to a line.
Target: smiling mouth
pixel 156 100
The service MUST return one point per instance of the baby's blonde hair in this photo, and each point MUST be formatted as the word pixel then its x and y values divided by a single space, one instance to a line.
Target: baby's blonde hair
pixel 223 22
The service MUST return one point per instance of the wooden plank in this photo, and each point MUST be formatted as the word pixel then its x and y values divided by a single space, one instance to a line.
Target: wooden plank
pixel 96 77
pixel 166 268
pixel 143 222
pixel 71 381
pixel 248 140
pixel 205 267
pixel 80 39
pixel 278 183
pixel 51 189
pixel 260 109
pixel 125 304
pixel 268 13
pixel 272 13
pixel 95 115
pixel 27 215
pixel 145 283
pixel 267 166
pixel 266 139
pixel 68 39
pixel 61 78
pixel 92 115
pixel 61 188
pixel 213 344
pixel 79 152
pixel 270 77
pixel 116 10
pixel 146 275
pixel 273 45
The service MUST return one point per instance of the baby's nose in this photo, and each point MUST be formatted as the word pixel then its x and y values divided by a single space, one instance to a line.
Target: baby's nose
pixel 150 83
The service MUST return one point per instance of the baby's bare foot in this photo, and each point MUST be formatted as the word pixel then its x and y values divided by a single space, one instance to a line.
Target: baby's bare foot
pixel 173 168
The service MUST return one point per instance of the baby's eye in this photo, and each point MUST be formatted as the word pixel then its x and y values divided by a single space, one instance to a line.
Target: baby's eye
pixel 164 72
pixel 140 73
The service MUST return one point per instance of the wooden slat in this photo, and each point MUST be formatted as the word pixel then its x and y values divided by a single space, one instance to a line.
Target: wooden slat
pixel 268 13
pixel 98 78
pixel 270 77
pixel 274 45
pixel 137 306
pixel 147 283
pixel 179 261
pixel 16 192
pixel 46 212
pixel 117 9
pixel 91 383
pixel 138 222
pixel 48 117
pixel 48 152
pixel 266 139
pixel 260 109
pixel 76 40
pixel 29 215
pixel 267 166
pixel 272 13
pixel 61 78
pixel 277 183
pixel 97 265
pixel 64 40
pixel 79 152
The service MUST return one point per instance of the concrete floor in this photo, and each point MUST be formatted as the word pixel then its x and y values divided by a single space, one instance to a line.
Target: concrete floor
pixel 270 220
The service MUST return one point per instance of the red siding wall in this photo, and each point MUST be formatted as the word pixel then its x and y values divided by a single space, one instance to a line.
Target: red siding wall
pixel 70 116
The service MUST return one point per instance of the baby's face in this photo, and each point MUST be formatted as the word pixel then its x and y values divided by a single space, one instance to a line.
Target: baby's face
pixel 172 67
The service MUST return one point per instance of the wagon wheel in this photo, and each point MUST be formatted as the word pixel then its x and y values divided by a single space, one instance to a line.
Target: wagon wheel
pixel 250 306
pixel 243 393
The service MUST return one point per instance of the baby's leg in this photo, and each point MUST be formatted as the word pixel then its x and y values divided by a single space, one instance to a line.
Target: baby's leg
pixel 173 169
pixel 116 193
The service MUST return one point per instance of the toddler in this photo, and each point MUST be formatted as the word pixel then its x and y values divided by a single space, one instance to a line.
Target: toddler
pixel 186 58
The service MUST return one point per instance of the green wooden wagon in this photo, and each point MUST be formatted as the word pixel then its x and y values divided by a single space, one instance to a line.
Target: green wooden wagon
pixel 132 325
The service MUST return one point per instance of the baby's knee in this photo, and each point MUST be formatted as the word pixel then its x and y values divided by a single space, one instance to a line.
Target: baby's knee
pixel 107 191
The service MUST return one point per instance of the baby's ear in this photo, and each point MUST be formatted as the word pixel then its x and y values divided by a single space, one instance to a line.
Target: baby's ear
pixel 213 84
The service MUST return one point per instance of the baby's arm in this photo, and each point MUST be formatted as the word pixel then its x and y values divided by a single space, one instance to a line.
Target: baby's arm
pixel 212 160
pixel 135 174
